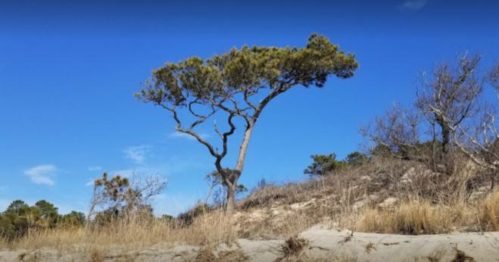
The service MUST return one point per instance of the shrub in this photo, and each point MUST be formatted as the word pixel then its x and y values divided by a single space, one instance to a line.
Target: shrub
pixel 323 164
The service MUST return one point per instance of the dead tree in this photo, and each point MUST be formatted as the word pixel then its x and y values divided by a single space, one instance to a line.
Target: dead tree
pixel 481 142
pixel 448 97
pixel 397 131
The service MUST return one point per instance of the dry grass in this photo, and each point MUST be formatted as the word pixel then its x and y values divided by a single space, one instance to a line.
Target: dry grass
pixel 489 213
pixel 462 257
pixel 293 246
pixel 431 203
pixel 208 230
pixel 422 217
pixel 427 202
pixel 414 218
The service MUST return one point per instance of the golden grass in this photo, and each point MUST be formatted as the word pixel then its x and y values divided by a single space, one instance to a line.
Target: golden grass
pixel 208 230
pixel 411 218
pixel 421 217
pixel 432 204
pixel 488 213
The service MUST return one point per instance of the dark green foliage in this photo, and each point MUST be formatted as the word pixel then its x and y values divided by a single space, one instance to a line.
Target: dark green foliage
pixel 75 219
pixel 327 164
pixel 19 218
pixel 381 150
pixel 187 218
pixel 7 227
pixel 356 159
pixel 105 217
pixel 167 218
pixel 18 207
pixel 251 68
pixel 239 85
pixel 323 164
pixel 47 213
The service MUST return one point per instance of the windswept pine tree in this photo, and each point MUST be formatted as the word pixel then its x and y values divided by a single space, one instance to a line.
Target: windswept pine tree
pixel 240 84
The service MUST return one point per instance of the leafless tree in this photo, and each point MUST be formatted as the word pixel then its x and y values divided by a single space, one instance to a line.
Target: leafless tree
pixel 449 97
pixel 481 142
pixel 397 131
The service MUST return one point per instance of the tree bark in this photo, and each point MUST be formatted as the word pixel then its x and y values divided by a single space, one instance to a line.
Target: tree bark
pixel 243 149
pixel 231 194
pixel 234 176
pixel 445 139
pixel 492 180
pixel 231 181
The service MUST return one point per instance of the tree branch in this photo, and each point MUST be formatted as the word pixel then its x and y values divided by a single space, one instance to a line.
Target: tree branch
pixel 190 132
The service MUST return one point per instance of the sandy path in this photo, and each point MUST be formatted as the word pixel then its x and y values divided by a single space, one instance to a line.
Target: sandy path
pixel 320 245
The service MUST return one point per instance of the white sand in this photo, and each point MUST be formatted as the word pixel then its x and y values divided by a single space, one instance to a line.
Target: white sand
pixel 322 245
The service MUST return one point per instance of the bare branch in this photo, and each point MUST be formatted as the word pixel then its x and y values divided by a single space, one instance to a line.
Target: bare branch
pixel 248 102
pixel 226 135
pixel 450 98
pixel 202 118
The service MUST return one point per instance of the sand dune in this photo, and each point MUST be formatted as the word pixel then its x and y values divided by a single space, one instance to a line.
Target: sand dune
pixel 315 244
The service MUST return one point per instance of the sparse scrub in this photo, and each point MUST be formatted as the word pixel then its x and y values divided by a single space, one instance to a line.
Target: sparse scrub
pixel 405 186
pixel 294 246
pixel 207 230
pixel 489 213
pixel 425 202
pixel 462 257
pixel 354 198
pixel 413 218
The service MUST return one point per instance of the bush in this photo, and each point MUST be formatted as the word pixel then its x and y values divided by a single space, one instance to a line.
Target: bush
pixel 356 159
pixel 323 164
pixel 489 213
pixel 19 218
pixel 187 218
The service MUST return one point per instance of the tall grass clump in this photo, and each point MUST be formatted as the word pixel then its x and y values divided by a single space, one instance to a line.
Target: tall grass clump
pixel 488 213
pixel 135 232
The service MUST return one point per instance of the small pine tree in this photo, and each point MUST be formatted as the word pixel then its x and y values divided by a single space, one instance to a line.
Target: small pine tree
pixel 323 164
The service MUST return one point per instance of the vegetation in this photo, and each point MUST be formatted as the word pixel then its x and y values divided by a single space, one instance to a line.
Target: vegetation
pixel 430 168
pixel 218 189
pixel 450 118
pixel 240 84
pixel 327 164
pixel 20 218
pixel 118 198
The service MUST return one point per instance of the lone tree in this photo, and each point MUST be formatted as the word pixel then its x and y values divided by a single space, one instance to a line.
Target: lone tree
pixel 240 84
pixel 449 98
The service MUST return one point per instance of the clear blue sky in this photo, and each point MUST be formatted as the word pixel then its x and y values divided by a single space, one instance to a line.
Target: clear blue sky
pixel 68 71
